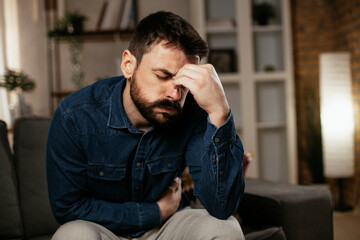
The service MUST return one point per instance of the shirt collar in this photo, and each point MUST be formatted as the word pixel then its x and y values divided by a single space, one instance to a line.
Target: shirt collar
pixel 117 116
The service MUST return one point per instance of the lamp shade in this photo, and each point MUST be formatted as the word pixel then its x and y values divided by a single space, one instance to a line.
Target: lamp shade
pixel 337 116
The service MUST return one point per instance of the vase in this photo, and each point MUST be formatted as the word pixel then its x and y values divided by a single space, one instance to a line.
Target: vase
pixel 18 107
pixel 75 27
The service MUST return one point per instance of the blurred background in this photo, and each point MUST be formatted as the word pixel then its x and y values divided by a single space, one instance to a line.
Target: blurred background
pixel 282 64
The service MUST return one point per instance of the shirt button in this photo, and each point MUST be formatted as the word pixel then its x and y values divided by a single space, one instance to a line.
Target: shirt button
pixel 216 140
pixel 101 173
pixel 138 164
pixel 137 188
pixel 169 165
pixel 221 173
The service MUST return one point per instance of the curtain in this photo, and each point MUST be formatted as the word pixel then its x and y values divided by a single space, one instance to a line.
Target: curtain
pixel 4 109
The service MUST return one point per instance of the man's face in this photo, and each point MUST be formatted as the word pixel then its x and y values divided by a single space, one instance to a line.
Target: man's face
pixel 152 87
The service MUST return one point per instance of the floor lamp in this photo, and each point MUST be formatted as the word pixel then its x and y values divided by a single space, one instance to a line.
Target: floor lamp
pixel 337 119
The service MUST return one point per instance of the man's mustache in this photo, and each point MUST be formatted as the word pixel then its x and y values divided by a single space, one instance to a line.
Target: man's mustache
pixel 167 103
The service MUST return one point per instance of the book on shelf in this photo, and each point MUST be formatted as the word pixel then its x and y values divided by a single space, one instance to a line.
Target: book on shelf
pixel 116 15
pixel 128 17
pixel 101 15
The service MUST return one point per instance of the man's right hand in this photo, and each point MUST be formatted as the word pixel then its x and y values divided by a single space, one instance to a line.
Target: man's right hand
pixel 170 202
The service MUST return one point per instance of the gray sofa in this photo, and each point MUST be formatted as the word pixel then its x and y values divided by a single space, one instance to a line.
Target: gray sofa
pixel 268 210
pixel 24 206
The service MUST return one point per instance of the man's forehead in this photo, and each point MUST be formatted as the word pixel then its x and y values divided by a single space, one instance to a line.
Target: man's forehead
pixel 165 44
pixel 166 60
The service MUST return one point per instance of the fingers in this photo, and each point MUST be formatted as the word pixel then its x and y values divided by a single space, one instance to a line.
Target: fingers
pixel 176 185
pixel 186 81
pixel 191 75
pixel 196 77
pixel 206 87
pixel 170 201
pixel 191 71
pixel 177 191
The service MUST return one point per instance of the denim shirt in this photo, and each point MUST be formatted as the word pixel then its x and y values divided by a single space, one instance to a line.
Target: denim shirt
pixel 100 168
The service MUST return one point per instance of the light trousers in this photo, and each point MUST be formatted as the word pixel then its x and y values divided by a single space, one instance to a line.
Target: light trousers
pixel 189 224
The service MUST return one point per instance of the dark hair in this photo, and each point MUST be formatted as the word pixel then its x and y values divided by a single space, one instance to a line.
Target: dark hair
pixel 167 26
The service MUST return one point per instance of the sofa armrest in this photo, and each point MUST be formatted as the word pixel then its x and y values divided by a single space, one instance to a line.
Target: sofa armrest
pixel 304 212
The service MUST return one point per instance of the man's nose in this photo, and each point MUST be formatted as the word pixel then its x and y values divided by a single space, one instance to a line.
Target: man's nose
pixel 174 93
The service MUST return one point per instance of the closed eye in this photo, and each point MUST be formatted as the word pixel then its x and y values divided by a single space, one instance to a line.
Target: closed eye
pixel 163 74
pixel 166 77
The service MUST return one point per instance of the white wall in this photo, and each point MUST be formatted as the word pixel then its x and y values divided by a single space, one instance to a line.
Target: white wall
pixel 99 58
pixel 33 60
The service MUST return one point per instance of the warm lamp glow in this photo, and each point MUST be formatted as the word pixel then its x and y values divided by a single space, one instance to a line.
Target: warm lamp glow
pixel 337 116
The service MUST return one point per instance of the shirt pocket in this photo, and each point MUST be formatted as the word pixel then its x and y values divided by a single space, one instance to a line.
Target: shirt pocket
pixel 108 182
pixel 107 172
pixel 162 171
pixel 165 164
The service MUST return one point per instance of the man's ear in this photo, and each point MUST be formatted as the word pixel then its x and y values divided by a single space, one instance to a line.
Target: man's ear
pixel 128 64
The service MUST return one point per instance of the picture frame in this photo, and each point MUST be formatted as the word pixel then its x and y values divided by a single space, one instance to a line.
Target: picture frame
pixel 223 60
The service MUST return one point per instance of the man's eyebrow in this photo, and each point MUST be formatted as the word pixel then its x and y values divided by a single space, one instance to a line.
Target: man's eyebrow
pixel 165 71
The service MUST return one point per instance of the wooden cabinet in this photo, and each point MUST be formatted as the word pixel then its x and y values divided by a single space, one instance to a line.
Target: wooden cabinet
pixel 254 63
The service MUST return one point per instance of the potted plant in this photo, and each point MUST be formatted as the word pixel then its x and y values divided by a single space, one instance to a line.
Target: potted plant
pixel 75 22
pixel 18 82
pixel 71 24
pixel 262 12
pixel 78 75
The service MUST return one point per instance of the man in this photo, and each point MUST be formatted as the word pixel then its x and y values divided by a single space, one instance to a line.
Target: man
pixel 117 149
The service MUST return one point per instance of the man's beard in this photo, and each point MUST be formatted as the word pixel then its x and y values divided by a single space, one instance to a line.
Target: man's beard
pixel 147 108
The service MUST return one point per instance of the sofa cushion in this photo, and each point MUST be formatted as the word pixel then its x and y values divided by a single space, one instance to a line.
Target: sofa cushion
pixel 260 211
pixel 304 212
pixel 271 233
pixel 45 237
pixel 30 136
pixel 10 218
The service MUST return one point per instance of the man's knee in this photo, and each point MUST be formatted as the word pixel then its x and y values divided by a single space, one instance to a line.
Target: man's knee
pixel 77 230
pixel 214 228
pixel 199 224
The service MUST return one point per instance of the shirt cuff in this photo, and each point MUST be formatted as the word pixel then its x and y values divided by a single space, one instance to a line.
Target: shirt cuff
pixel 220 137
pixel 150 215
